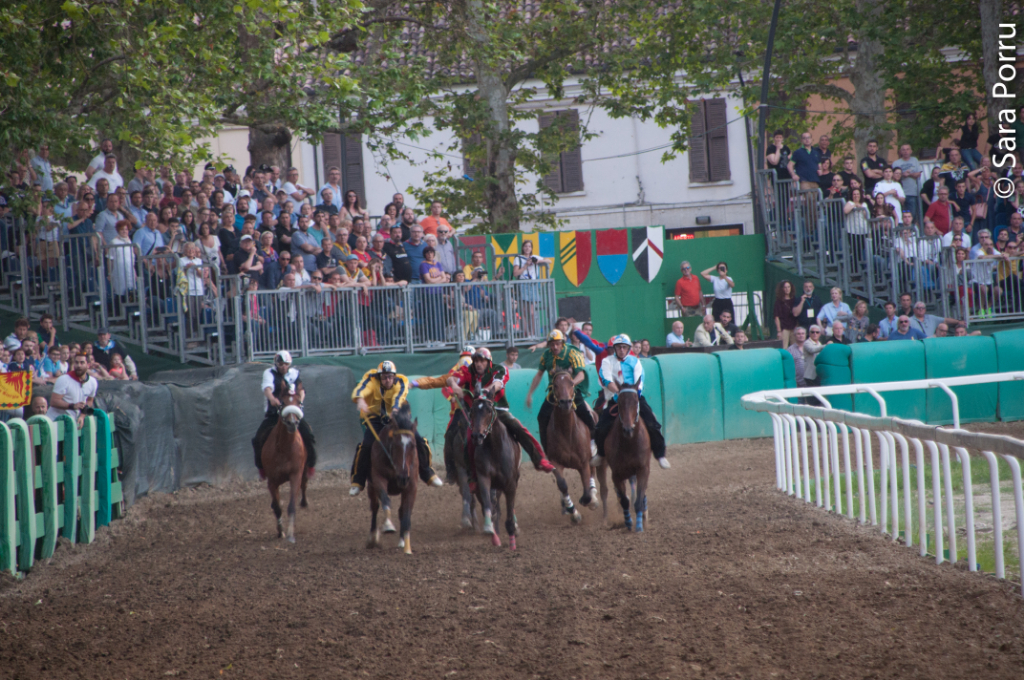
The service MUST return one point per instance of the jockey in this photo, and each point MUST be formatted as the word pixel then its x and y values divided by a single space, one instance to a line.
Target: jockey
pixel 282 370
pixel 454 413
pixel 624 368
pixel 483 377
pixel 561 356
pixel 601 352
pixel 379 394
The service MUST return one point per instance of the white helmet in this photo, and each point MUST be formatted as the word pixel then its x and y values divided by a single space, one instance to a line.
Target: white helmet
pixel 283 357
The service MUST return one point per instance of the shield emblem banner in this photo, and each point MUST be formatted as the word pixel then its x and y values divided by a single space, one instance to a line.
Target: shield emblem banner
pixel 574 253
pixel 648 251
pixel 612 253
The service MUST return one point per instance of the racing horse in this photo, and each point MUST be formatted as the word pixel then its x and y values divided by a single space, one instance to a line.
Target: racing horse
pixel 456 464
pixel 627 451
pixel 496 458
pixel 284 456
pixel 393 472
pixel 568 445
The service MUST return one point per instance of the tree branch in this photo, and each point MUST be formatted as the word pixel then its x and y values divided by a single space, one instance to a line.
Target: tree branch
pixel 825 90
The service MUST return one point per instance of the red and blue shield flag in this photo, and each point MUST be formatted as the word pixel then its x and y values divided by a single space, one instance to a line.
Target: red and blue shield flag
pixel 612 253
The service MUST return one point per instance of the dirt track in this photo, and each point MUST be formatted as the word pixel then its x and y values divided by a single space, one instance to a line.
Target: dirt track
pixel 732 579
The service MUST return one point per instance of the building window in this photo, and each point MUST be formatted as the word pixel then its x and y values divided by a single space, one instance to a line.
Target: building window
pixel 709 142
pixel 346 152
pixel 566 174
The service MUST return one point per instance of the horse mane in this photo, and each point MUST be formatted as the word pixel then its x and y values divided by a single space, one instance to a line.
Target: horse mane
pixel 403 419
pixel 281 385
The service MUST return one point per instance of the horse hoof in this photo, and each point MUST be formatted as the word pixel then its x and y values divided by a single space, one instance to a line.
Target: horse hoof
pixel 496 539
pixel 291 539
pixel 512 542
pixel 594 504
pixel 488 528
pixel 388 527
pixel 467 523
pixel 401 543
pixel 303 504
pixel 576 517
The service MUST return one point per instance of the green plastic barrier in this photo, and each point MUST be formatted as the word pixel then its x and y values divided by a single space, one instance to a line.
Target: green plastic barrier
pixel 788 368
pixel 692 394
pixel 742 373
pixel 890 361
pixel 8 493
pixel 833 366
pixel 952 357
pixel 834 355
pixel 1010 357
pixel 430 411
pixel 515 392
pixel 653 388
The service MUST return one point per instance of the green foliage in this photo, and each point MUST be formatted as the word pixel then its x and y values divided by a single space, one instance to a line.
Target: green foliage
pixel 159 75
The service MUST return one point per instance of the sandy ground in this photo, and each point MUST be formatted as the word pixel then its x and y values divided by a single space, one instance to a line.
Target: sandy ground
pixel 731 580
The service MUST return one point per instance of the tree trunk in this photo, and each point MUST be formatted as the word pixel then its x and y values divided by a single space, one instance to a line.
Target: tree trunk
pixel 270 143
pixel 500 194
pixel 991 11
pixel 868 87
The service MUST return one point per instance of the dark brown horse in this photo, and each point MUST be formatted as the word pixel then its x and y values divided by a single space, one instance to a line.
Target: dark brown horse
pixel 496 456
pixel 393 472
pixel 568 445
pixel 456 464
pixel 627 451
pixel 284 457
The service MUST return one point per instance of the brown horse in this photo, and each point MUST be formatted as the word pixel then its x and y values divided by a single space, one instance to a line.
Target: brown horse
pixel 393 472
pixel 456 464
pixel 284 457
pixel 627 451
pixel 568 445
pixel 496 457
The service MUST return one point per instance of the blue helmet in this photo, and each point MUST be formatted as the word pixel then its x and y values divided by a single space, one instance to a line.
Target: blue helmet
pixel 621 339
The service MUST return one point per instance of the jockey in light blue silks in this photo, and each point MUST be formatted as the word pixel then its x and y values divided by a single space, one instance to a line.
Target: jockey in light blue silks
pixel 624 368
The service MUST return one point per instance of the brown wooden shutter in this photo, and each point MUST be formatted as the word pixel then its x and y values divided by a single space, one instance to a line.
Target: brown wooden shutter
pixel 553 180
pixel 331 150
pixel 698 144
pixel 352 172
pixel 572 160
pixel 718 140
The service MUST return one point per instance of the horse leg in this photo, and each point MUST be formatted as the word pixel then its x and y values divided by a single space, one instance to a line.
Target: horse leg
pixel 495 506
pixel 468 514
pixel 405 522
pixel 510 521
pixel 640 505
pixel 385 501
pixel 295 483
pixel 305 480
pixel 374 540
pixel 484 490
pixel 275 505
pixel 620 491
pixel 567 505
pixel 588 499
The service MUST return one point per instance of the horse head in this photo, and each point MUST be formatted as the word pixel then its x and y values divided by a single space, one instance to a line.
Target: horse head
pixel 629 409
pixel 563 389
pixel 482 419
pixel 401 446
pixel 291 414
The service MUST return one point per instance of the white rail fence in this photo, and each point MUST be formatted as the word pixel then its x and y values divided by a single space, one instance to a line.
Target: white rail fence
pixel 825 456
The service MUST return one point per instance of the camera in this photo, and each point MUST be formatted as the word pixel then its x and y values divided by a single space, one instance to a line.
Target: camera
pixel 533 258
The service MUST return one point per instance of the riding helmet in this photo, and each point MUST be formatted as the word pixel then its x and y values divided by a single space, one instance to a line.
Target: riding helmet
pixel 622 339
pixel 556 335
pixel 467 351
pixel 483 353
pixel 283 357
pixel 386 367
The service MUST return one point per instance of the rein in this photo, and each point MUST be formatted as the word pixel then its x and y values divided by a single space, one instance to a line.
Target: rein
pixel 494 417
pixel 631 390
pixel 387 450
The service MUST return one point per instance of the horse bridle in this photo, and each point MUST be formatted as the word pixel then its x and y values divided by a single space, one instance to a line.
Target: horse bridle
pixel 391 436
pixel 632 390
pixel 494 415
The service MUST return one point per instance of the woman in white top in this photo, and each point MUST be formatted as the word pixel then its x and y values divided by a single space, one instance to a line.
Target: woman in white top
pixel 121 254
pixel 192 265
pixel 855 220
pixel 350 207
pixel 528 267
pixel 209 246
pixel 723 285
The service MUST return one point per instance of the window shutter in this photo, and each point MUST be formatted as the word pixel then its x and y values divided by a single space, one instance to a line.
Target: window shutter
pixel 718 140
pixel 572 160
pixel 352 172
pixel 698 145
pixel 331 150
pixel 553 180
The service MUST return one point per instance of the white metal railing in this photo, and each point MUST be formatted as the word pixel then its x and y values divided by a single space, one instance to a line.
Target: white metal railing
pixel 812 448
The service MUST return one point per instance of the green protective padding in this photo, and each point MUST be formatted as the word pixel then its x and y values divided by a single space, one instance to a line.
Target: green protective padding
pixel 834 355
pixel 430 411
pixel 951 357
pixel 1010 357
pixel 890 361
pixel 742 373
pixel 691 386
pixel 836 375
pixel 652 388
pixel 518 385
pixel 788 366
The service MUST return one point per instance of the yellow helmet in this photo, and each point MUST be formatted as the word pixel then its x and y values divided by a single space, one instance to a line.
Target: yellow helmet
pixel 556 336
pixel 386 367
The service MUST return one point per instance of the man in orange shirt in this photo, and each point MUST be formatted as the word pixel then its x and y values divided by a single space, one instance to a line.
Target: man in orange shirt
pixel 434 220
pixel 688 296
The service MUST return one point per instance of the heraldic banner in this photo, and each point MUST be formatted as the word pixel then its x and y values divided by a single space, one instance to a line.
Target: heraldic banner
pixel 648 246
pixel 574 254
pixel 15 389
